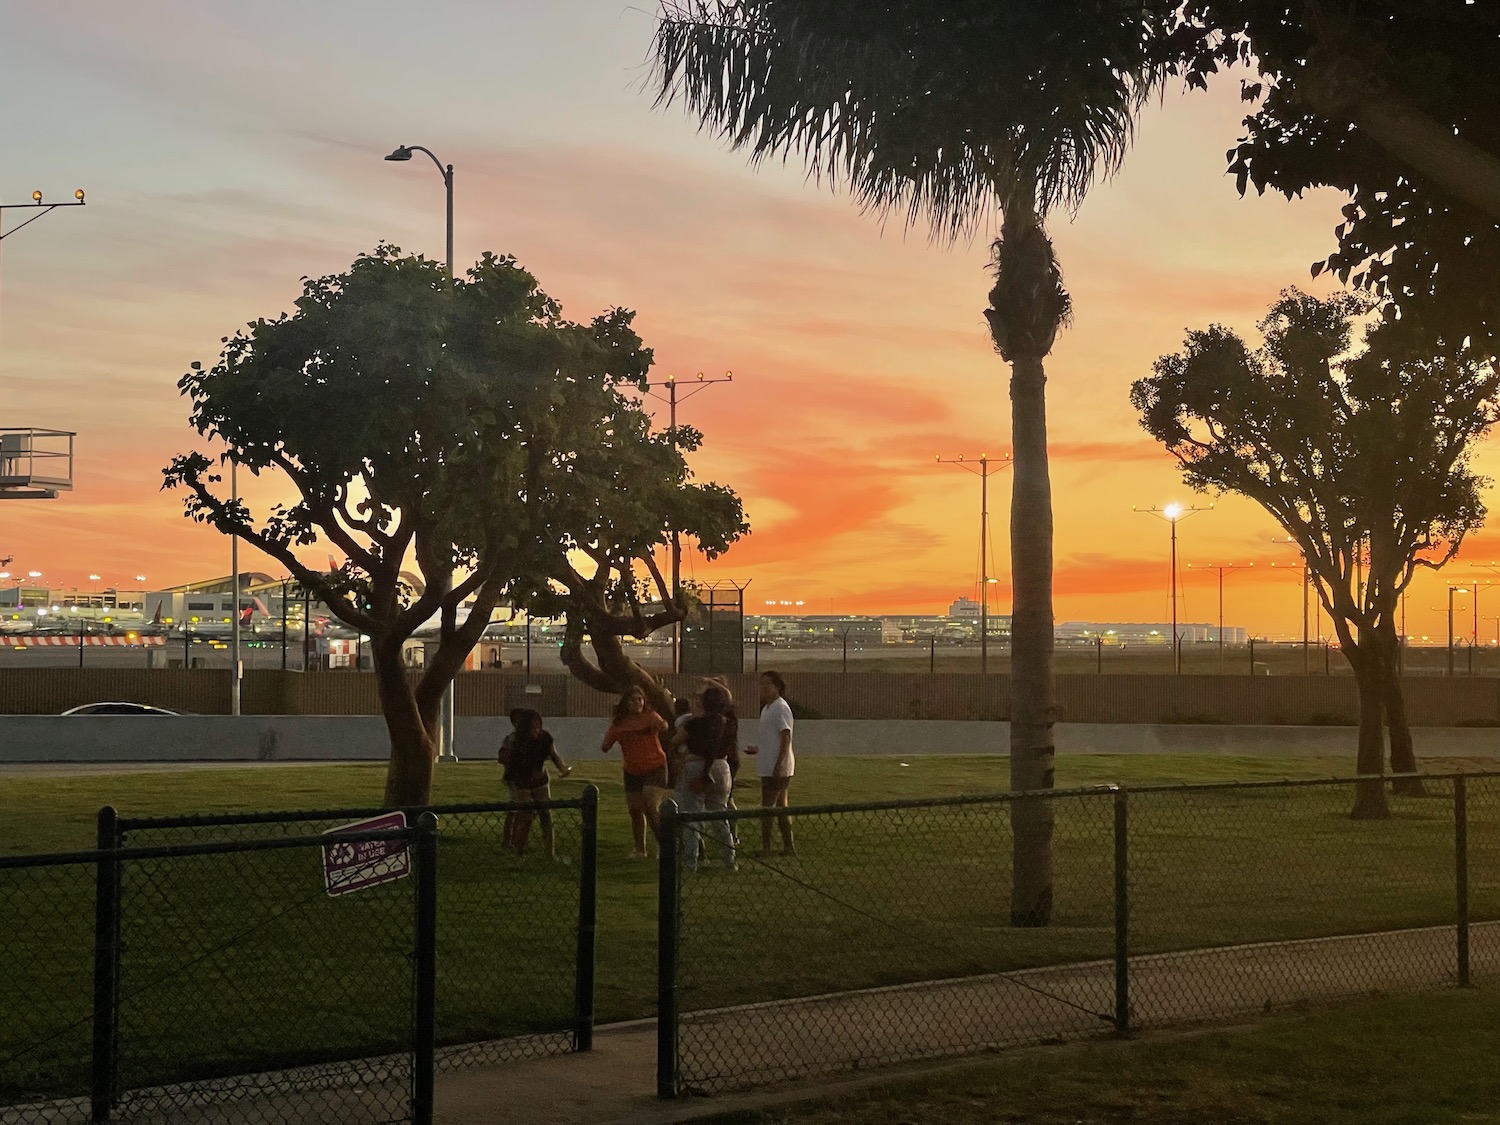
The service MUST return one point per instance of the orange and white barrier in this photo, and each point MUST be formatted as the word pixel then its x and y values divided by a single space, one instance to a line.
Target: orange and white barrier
pixel 62 640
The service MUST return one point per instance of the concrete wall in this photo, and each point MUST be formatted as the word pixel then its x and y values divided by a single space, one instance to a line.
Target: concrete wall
pixel 884 696
pixel 218 738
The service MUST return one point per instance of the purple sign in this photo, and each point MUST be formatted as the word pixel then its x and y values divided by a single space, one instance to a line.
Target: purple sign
pixel 357 864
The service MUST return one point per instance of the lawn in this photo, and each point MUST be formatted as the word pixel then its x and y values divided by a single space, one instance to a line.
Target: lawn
pixel 242 960
pixel 1409 1060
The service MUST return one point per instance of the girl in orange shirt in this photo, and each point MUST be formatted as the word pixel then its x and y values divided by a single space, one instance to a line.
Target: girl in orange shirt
pixel 638 730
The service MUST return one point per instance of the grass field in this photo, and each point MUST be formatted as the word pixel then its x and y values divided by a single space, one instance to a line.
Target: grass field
pixel 873 898
pixel 1414 1060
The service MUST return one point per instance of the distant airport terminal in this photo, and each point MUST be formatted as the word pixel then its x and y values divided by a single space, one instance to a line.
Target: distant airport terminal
pixel 176 624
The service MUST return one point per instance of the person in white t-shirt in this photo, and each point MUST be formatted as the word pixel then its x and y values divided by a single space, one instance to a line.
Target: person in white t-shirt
pixel 775 761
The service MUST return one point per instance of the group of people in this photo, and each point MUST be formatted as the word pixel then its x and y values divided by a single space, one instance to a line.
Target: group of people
pixel 695 760
pixel 698 763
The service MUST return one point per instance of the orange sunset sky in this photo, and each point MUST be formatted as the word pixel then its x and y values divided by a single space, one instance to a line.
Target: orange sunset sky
pixel 230 149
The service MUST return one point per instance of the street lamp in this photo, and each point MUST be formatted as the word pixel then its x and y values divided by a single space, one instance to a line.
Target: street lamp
pixel 985 467
pixel 1223 569
pixel 403 153
pixel 1451 591
pixel 1173 513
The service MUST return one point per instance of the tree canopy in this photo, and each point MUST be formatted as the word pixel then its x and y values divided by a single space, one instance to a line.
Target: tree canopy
pixel 1392 103
pixel 1363 458
pixel 465 426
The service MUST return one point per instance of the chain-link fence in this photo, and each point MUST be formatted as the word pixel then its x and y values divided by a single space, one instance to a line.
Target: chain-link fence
pixel 234 987
pixel 222 968
pixel 515 936
pixel 888 933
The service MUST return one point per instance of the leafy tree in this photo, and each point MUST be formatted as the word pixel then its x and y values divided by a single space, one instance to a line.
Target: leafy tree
pixel 944 111
pixel 597 562
pixel 1391 102
pixel 463 424
pixel 1363 459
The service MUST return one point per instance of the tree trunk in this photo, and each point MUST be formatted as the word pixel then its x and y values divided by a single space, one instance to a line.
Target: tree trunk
pixel 1403 754
pixel 1031 707
pixel 408 779
pixel 1370 678
pixel 614 671
pixel 1452 163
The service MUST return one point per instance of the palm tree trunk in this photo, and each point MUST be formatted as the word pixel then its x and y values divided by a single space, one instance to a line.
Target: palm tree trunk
pixel 1031 710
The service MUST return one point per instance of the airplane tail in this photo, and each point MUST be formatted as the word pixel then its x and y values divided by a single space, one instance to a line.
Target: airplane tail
pixel 245 617
pixel 156 617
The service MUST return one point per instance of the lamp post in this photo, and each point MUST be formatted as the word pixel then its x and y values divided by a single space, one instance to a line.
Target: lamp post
pixel 403 153
pixel 983 472
pixel 446 750
pixel 234 617
pixel 671 398
pixel 1451 591
pixel 1222 570
pixel 1173 514
pixel 285 585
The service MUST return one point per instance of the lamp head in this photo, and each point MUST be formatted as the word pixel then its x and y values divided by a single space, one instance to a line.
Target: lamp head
pixel 36 197
pixel 78 195
pixel 1173 512
pixel 402 153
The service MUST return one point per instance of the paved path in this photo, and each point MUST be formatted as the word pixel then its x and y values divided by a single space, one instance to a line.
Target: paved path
pixel 797 1046
pixel 737 1048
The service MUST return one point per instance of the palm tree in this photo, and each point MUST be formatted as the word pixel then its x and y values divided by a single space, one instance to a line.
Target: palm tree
pixel 945 111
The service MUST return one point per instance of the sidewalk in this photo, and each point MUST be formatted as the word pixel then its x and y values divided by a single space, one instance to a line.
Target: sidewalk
pixel 814 1041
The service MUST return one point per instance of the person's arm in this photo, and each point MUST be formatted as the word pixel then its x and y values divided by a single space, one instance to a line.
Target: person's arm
pixel 784 751
pixel 611 736
pixel 557 759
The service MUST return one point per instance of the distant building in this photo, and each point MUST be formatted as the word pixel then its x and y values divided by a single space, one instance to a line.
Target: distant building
pixel 964 607
pixel 1146 633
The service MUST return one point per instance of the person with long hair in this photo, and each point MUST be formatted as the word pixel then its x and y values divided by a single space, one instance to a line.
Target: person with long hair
pixel 705 782
pixel 638 730
pixel 526 774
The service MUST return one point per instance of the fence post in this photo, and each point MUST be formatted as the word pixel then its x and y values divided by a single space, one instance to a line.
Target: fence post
pixel 583 978
pixel 106 966
pixel 1461 874
pixel 666 953
pixel 1122 912
pixel 424 1010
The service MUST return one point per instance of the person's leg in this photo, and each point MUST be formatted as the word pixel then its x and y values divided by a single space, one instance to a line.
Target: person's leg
pixel 783 800
pixel 651 799
pixel 522 831
pixel 690 801
pixel 767 800
pixel 637 805
pixel 549 841
pixel 718 800
pixel 508 833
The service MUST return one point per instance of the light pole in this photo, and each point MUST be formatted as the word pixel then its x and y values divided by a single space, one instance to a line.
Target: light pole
pixel 234 617
pixel 983 473
pixel 1451 591
pixel 1288 541
pixel 672 398
pixel 1222 570
pixel 447 752
pixel 1173 514
pixel 402 153
pixel 285 585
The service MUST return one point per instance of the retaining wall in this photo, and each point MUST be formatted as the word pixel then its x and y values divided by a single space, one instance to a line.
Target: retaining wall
pixel 271 738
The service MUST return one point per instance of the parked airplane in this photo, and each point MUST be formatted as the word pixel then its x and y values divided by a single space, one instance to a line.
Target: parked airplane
pixel 224 628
